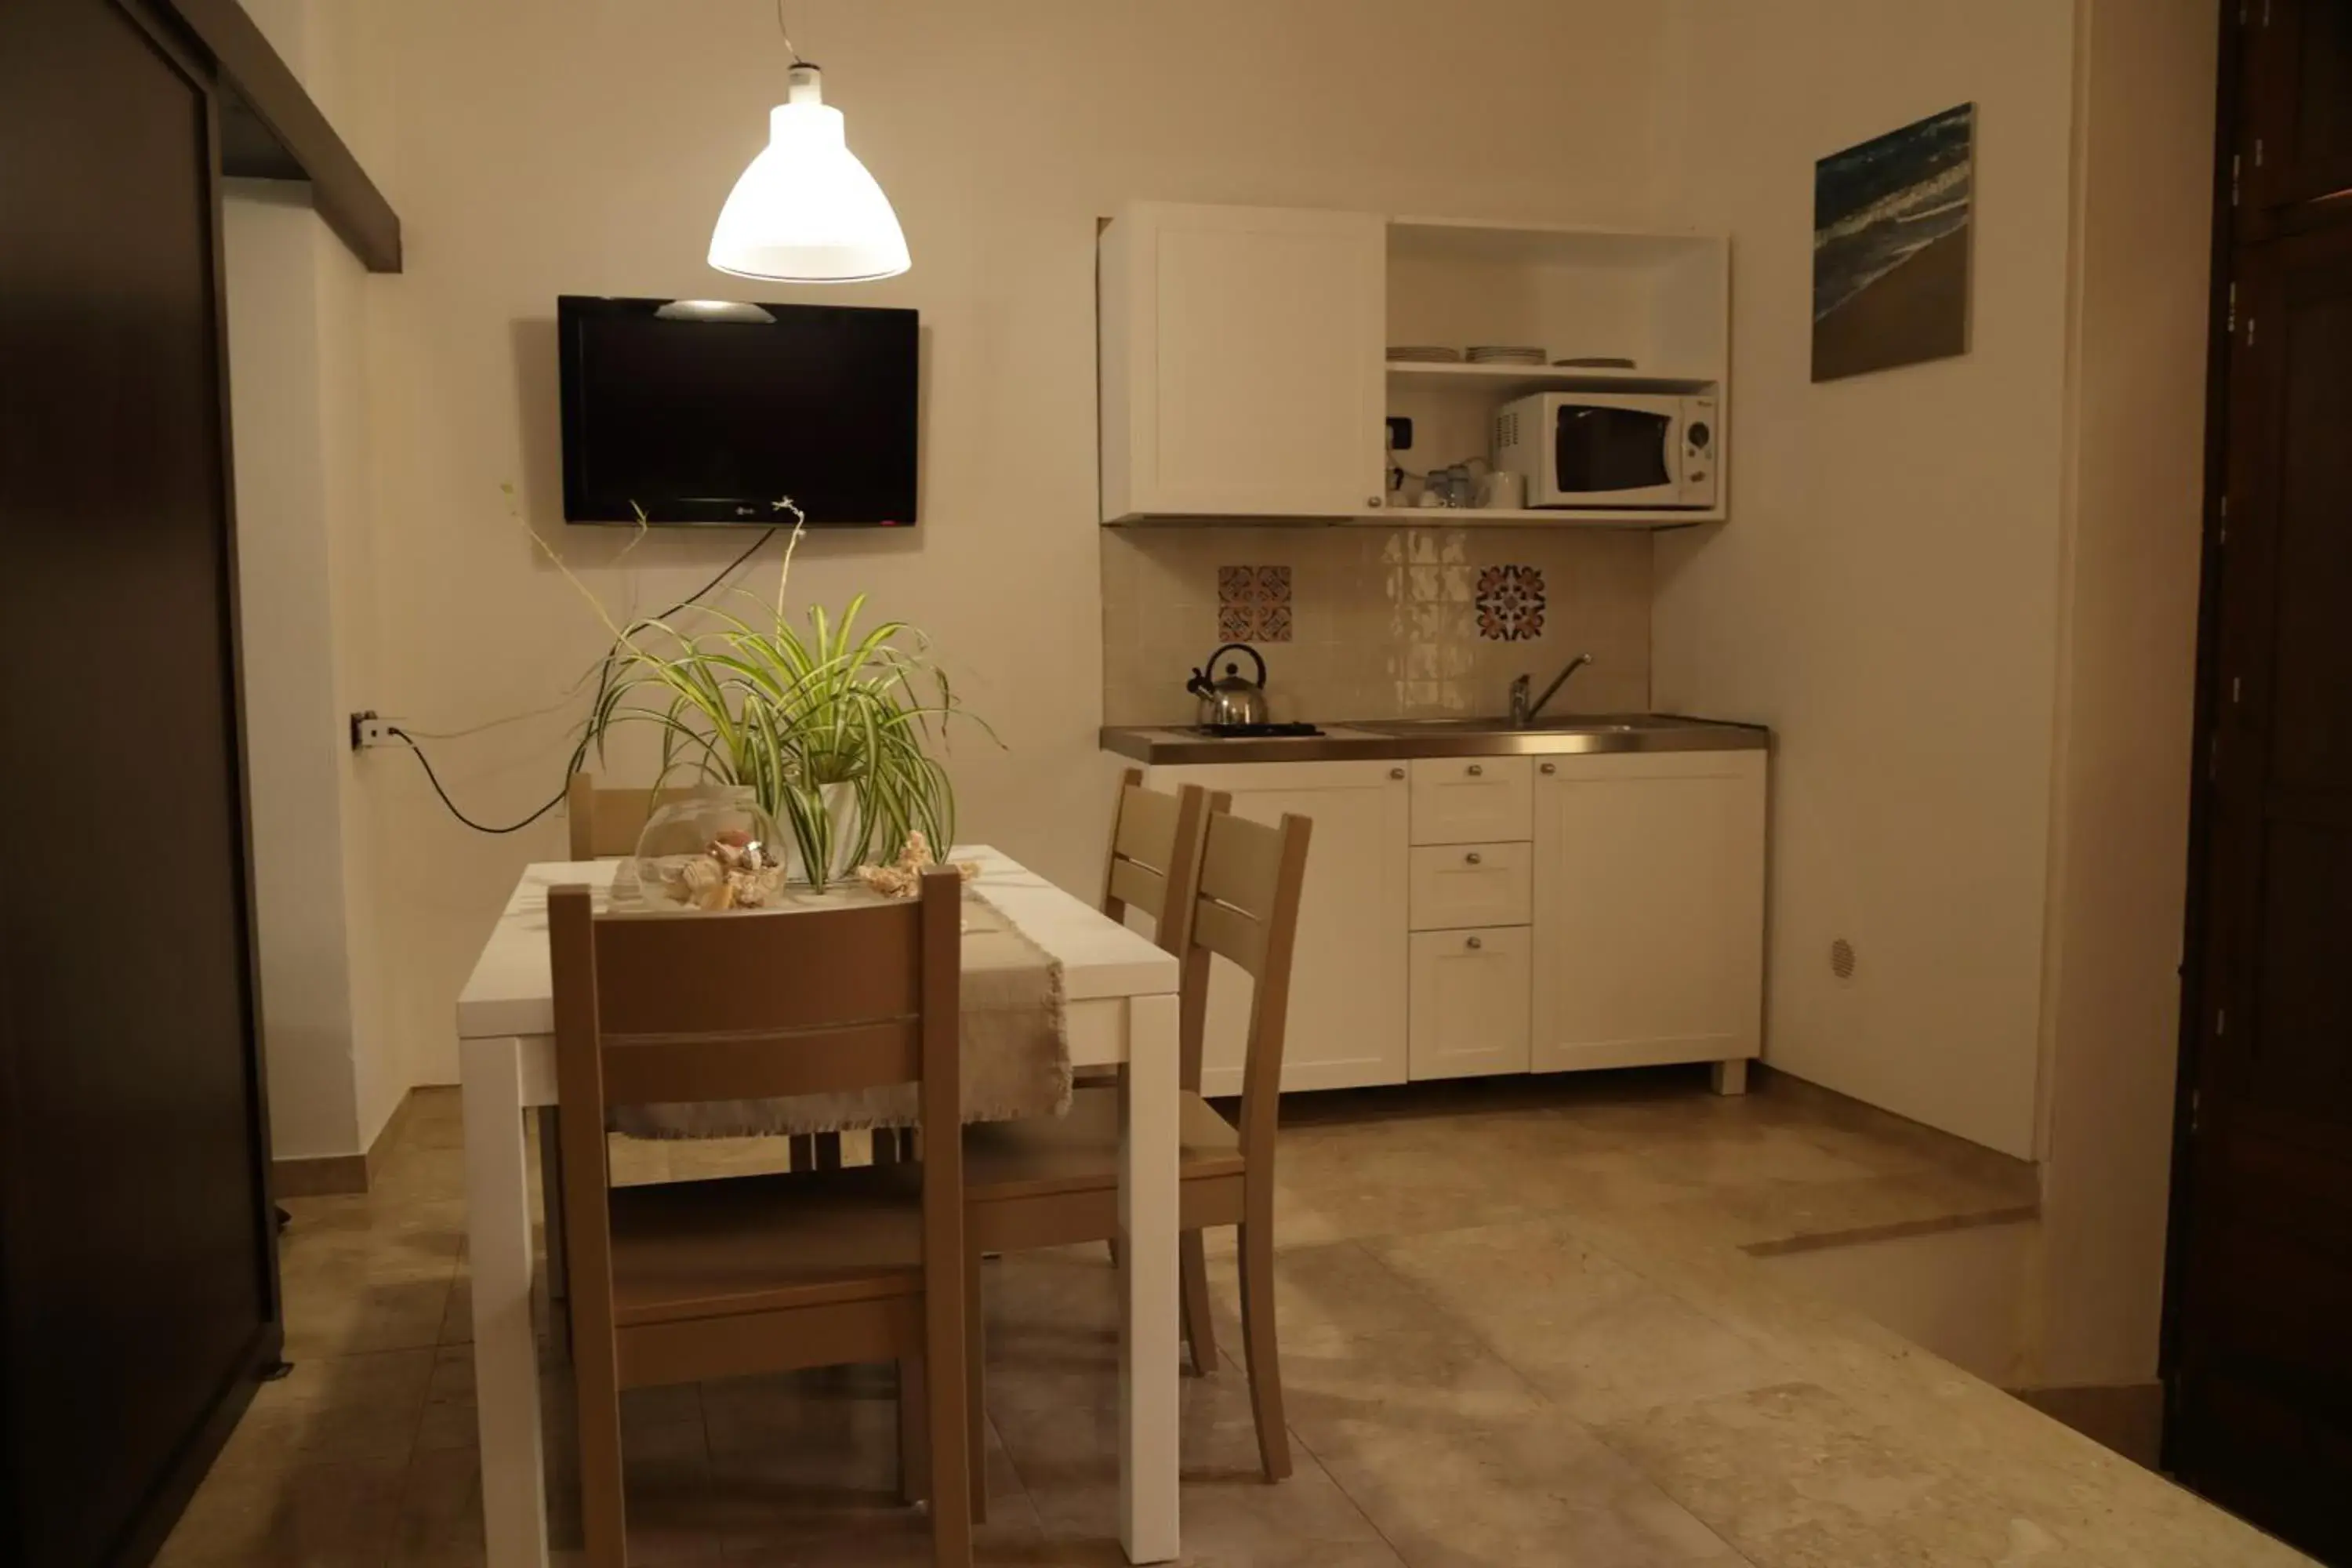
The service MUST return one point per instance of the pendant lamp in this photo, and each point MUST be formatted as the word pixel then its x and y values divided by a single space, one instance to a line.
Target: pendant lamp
pixel 806 211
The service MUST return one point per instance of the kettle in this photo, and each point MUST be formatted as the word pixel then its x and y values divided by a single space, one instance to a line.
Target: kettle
pixel 1230 700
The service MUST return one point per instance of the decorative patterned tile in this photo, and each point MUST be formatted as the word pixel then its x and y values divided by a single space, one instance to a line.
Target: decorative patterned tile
pixel 1254 604
pixel 1510 603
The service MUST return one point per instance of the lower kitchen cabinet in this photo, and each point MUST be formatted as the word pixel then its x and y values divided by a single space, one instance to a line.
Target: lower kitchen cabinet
pixel 1649 908
pixel 1540 914
pixel 1470 1001
pixel 1348 983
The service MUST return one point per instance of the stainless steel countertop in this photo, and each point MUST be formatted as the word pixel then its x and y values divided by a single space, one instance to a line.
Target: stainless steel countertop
pixel 1379 740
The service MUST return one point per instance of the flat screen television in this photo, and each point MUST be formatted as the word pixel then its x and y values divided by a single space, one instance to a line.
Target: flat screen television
pixel 704 412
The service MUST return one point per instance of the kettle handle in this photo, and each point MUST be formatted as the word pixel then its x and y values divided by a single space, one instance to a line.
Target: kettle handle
pixel 1208 668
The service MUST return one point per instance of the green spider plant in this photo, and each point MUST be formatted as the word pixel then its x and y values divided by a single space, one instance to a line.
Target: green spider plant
pixel 792 711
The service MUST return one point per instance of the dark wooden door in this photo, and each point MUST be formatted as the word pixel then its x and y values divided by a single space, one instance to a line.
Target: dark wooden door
pixel 2298 62
pixel 2259 1342
pixel 137 1282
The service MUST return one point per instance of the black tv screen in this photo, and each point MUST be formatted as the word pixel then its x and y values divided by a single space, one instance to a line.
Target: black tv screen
pixel 701 411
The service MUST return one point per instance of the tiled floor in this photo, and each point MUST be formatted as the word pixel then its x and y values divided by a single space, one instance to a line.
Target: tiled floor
pixel 1519 1325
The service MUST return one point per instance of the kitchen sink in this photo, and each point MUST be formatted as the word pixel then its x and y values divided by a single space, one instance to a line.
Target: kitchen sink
pixel 1556 724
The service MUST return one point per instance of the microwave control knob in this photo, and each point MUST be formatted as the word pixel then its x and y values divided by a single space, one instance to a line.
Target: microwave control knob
pixel 1700 434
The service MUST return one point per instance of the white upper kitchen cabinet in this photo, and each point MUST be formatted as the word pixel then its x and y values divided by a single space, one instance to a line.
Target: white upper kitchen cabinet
pixel 1348 984
pixel 1241 361
pixel 1649 908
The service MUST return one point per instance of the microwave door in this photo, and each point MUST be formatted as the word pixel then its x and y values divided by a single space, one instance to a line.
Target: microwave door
pixel 1605 451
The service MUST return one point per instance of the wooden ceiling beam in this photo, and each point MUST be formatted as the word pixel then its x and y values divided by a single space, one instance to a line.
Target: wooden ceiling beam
pixel 271 128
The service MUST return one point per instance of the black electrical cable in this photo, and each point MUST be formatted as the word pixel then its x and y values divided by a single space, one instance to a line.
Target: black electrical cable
pixel 435 780
pixel 603 685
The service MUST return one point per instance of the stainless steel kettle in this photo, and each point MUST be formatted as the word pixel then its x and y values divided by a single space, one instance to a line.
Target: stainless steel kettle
pixel 1231 699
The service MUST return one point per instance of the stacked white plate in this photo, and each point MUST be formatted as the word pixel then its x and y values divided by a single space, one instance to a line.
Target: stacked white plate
pixel 1418 353
pixel 1504 355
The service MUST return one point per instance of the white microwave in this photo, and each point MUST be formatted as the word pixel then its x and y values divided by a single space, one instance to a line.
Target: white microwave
pixel 1602 449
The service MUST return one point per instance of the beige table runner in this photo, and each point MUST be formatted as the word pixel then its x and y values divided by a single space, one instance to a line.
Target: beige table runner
pixel 1015 1054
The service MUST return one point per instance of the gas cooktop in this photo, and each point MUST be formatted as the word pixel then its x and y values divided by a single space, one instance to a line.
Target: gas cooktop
pixel 1254 731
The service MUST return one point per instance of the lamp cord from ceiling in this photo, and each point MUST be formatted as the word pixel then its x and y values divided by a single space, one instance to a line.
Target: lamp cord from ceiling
pixel 787 33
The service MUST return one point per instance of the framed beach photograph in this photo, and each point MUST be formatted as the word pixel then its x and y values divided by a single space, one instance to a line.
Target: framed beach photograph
pixel 1891 243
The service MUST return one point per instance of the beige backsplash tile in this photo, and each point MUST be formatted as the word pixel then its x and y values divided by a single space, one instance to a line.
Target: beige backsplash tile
pixel 1384 620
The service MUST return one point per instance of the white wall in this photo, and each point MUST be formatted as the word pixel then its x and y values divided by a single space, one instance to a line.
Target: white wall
pixel 285 625
pixel 545 148
pixel 1887 595
pixel 298 358
pixel 2127 655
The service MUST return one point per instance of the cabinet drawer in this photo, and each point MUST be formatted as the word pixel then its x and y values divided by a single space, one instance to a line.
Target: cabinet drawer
pixel 1470 1001
pixel 1458 885
pixel 1472 800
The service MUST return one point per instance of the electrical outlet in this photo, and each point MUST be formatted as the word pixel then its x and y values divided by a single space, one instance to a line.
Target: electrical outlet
pixel 367 730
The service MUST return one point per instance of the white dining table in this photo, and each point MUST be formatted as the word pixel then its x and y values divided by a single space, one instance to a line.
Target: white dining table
pixel 1121 996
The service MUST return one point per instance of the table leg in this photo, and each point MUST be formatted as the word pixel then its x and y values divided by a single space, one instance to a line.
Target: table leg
pixel 1150 1341
pixel 506 1357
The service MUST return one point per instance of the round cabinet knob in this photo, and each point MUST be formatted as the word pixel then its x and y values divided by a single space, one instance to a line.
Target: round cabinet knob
pixel 1474 945
pixel 1551 767
pixel 1372 502
pixel 1471 858
pixel 1396 772
pixel 1475 771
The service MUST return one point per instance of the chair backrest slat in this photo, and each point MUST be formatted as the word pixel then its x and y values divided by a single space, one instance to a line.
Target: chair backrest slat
pixel 1137 887
pixel 653 1070
pixel 1146 826
pixel 1241 864
pixel 739 972
pixel 608 821
pixel 1234 936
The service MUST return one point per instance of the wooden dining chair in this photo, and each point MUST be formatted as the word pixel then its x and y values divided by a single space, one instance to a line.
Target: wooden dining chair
pixel 608 821
pixel 605 823
pixel 681 1282
pixel 1054 1182
pixel 1152 865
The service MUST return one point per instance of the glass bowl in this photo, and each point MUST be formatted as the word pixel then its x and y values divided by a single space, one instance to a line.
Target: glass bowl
pixel 714 849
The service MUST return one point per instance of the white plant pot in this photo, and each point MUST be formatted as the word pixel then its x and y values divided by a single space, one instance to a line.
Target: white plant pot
pixel 840 804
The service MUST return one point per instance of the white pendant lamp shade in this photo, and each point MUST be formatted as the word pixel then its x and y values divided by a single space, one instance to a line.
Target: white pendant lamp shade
pixel 806 211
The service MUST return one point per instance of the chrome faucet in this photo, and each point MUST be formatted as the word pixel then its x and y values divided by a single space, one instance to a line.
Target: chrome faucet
pixel 1523 713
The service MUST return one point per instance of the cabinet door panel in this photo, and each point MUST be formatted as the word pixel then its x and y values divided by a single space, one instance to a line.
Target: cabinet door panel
pixel 1348 987
pixel 1470 800
pixel 1470 1001
pixel 1251 360
pixel 1649 910
pixel 2299 102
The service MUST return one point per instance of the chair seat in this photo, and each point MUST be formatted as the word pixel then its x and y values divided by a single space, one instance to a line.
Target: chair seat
pixel 1079 1153
pixel 686 1250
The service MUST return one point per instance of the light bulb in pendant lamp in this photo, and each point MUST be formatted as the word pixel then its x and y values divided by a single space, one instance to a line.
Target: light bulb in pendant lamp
pixel 806 211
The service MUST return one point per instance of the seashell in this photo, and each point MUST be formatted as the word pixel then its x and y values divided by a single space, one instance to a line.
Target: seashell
pixel 697 876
